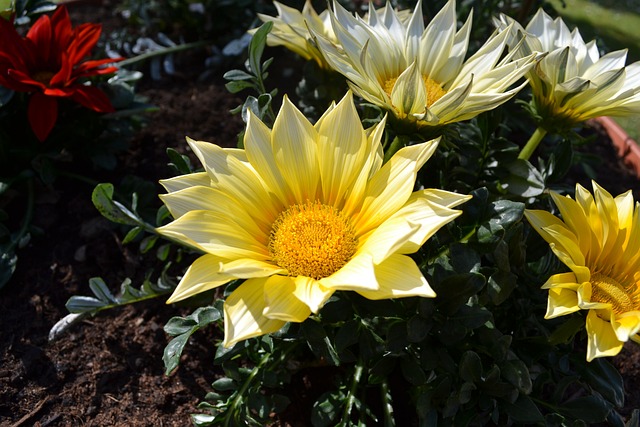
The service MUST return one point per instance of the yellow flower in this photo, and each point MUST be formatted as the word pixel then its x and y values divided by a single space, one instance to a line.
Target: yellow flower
pixel 572 83
pixel 303 211
pixel 291 30
pixel 599 240
pixel 420 74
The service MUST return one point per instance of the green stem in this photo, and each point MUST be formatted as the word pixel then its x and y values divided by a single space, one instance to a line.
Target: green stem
pixel 387 407
pixel 398 142
pixel 351 395
pixel 161 52
pixel 532 144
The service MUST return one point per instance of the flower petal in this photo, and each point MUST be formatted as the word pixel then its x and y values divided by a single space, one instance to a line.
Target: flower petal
pixel 398 277
pixel 602 338
pixel 204 274
pixel 243 316
pixel 42 113
pixel 281 302
pixel 294 144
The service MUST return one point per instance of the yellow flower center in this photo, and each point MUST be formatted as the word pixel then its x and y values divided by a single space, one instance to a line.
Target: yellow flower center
pixel 312 239
pixel 43 77
pixel 433 88
pixel 607 290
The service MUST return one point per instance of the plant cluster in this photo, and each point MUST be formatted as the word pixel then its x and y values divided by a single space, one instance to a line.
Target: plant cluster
pixel 399 240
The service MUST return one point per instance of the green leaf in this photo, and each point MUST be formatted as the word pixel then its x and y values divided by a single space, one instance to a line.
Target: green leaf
pixel 148 242
pixel 102 198
pixel 101 290
pixel 179 325
pixel 524 179
pixel 173 351
pixel 131 235
pixel 82 304
pixel 256 47
pixel 325 410
pixel 471 367
pixel 237 86
pixel 318 341
pixel 224 384
pixel 517 373
pixel 180 162
pixel 606 379
pixel 523 410
pixel 590 409
pixel 237 75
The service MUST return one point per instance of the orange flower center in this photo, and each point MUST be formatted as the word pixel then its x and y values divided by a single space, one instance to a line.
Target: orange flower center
pixel 434 89
pixel 312 239
pixel 605 289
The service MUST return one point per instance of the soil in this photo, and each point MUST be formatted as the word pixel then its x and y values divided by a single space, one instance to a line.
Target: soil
pixel 108 369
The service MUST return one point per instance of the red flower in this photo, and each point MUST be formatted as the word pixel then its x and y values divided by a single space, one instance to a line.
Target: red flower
pixel 48 63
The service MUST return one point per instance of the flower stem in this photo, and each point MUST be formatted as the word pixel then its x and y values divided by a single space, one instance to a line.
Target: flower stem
pixel 387 407
pixel 351 395
pixel 532 144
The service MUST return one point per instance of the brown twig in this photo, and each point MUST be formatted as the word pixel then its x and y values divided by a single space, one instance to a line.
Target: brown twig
pixel 32 413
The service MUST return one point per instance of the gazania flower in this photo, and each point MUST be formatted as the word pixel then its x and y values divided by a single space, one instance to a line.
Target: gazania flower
pixel 572 83
pixel 291 29
pixel 303 211
pixel 420 74
pixel 48 63
pixel 599 240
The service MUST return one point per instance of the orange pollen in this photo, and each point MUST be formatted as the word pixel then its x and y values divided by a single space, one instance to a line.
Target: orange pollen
pixel 312 239
pixel 605 289
pixel 434 89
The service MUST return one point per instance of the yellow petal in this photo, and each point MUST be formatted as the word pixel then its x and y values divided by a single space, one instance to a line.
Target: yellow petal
pixel 259 149
pixel 202 275
pixel 357 274
pixel 626 325
pixel 574 217
pixel 295 151
pixel 247 268
pixel 602 338
pixel 342 150
pixel 398 277
pixel 390 188
pixel 243 316
pixel 236 177
pixel 217 234
pixel 562 280
pixel 311 292
pixel 184 181
pixel 281 302
pixel 561 301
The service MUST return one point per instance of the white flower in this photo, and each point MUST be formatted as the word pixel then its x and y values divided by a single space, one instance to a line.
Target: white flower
pixel 572 83
pixel 420 74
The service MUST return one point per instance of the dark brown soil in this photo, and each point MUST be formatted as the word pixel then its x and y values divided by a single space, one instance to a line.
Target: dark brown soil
pixel 108 370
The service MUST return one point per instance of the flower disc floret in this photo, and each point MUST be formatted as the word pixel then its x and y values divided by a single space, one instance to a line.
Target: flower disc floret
pixel 312 240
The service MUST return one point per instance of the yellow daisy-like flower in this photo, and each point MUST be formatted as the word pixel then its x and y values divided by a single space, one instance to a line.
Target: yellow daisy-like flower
pixel 573 83
pixel 599 240
pixel 303 211
pixel 420 74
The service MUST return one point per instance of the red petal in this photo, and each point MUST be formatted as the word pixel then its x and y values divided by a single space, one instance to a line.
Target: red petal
pixel 86 37
pixel 61 24
pixel 40 34
pixel 43 113
pixel 20 77
pixel 93 98
pixel 64 75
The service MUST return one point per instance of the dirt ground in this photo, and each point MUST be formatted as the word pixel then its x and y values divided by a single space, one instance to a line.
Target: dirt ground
pixel 108 369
